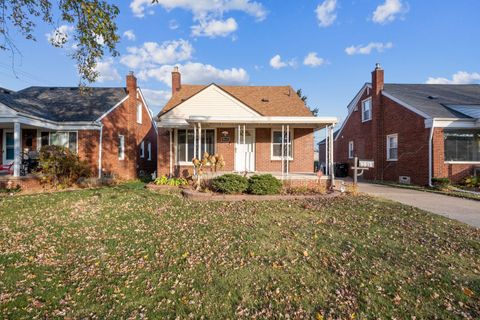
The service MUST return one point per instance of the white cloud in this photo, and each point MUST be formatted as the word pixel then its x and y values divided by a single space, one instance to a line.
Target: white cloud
pixel 156 99
pixel 107 71
pixel 197 73
pixel 152 53
pixel 326 12
pixel 129 34
pixel 277 63
pixel 313 60
pixel 461 77
pixel 388 11
pixel 60 36
pixel 173 24
pixel 379 46
pixel 214 28
pixel 202 9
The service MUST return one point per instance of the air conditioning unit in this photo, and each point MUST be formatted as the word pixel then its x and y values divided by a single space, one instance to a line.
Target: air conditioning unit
pixel 404 180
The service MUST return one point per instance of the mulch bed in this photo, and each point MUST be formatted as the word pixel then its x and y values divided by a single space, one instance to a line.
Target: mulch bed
pixel 206 196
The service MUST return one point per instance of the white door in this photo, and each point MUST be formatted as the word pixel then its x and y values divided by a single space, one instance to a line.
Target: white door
pixel 8 147
pixel 245 152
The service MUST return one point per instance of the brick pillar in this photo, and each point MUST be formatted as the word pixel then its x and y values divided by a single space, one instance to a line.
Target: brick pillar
pixel 377 122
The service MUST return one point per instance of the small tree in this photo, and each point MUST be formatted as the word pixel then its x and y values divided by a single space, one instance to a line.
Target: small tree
pixel 304 98
pixel 209 163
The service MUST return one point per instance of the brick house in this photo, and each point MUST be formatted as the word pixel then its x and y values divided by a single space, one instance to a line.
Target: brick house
pixel 255 128
pixel 413 132
pixel 111 128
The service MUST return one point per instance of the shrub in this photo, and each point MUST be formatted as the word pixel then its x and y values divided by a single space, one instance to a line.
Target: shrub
pixel 165 181
pixel 58 166
pixel 230 183
pixel 471 182
pixel 264 184
pixel 440 182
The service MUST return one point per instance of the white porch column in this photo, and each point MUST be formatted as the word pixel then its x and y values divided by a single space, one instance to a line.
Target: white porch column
pixel 283 150
pixel 170 146
pixel 326 151
pixel 244 151
pixel 195 141
pixel 17 157
pixel 330 158
pixel 288 148
pixel 200 155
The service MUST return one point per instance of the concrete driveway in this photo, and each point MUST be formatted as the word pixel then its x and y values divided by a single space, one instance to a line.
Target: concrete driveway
pixel 464 210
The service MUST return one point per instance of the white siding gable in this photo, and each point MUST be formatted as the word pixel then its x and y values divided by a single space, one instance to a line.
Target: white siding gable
pixel 211 101
pixel 6 111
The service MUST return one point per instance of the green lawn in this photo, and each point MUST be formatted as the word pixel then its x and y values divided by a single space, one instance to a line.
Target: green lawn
pixel 126 252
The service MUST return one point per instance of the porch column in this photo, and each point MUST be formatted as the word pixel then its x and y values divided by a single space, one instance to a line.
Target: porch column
pixel 244 150
pixel 283 150
pixel 288 148
pixel 326 151
pixel 17 157
pixel 200 155
pixel 170 146
pixel 195 141
pixel 330 158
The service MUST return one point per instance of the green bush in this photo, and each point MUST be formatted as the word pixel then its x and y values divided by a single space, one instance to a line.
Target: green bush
pixel 264 184
pixel 230 183
pixel 58 166
pixel 165 181
pixel 440 182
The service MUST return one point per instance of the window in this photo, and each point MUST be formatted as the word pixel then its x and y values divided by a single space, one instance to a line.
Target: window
pixel 186 144
pixel 66 139
pixel 392 147
pixel 149 151
pixel 139 114
pixel 462 145
pixel 142 149
pixel 367 110
pixel 121 147
pixel 277 145
pixel 350 150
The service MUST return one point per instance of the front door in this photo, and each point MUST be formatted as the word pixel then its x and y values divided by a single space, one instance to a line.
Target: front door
pixel 245 152
pixel 9 147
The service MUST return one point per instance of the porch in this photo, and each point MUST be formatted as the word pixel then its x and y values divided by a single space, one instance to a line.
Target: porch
pixel 282 146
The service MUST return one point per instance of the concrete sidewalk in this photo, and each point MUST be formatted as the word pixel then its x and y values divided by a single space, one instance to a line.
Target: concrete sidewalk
pixel 464 210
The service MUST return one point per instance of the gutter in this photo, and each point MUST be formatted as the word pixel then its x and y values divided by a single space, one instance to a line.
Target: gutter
pixel 430 154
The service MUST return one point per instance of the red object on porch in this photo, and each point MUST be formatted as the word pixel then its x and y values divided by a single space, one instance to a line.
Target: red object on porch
pixel 7 167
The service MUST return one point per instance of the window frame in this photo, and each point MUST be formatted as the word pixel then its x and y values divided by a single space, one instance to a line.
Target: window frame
pixel 139 113
pixel 189 163
pixel 369 99
pixel 142 149
pixel 121 146
pixel 149 151
pixel 393 135
pixel 39 138
pixel 351 149
pixel 292 138
pixel 458 161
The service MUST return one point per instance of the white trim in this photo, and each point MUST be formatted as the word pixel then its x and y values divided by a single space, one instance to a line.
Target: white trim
pixel 462 162
pixel 452 123
pixel 113 108
pixel 351 108
pixel 351 150
pixel 4 146
pixel 265 120
pixel 142 149
pixel 406 105
pixel 149 112
pixel 363 111
pixel 149 150
pixel 393 135
pixel 292 139
pixel 236 166
pixel 51 125
pixel 121 144
pixel 40 130
pixel 189 163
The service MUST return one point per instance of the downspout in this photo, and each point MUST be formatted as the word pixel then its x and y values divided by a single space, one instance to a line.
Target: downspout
pixel 100 152
pixel 170 155
pixel 430 155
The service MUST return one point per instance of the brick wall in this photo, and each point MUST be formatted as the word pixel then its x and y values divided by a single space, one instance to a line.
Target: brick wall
pixel 227 149
pixel 88 148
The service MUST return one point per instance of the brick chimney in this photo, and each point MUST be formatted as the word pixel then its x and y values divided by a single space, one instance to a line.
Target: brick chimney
pixel 176 80
pixel 377 79
pixel 131 83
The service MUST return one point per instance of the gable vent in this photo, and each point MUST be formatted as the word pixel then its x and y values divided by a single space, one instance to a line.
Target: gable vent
pixel 265 100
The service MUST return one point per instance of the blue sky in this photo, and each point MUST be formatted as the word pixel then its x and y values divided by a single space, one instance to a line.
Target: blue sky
pixel 266 42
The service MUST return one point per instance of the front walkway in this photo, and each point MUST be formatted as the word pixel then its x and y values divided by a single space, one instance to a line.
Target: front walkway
pixel 464 210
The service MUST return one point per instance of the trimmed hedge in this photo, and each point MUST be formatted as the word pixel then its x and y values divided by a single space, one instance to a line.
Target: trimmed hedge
pixel 230 183
pixel 264 184
pixel 441 182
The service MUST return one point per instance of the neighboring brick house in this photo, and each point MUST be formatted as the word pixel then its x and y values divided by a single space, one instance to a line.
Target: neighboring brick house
pixel 413 132
pixel 111 128
pixel 255 128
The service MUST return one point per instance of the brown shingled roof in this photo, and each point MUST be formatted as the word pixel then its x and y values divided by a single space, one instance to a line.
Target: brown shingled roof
pixel 266 100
